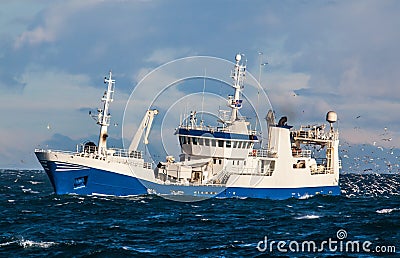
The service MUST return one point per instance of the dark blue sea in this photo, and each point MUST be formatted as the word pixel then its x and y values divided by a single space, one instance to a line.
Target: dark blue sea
pixel 363 222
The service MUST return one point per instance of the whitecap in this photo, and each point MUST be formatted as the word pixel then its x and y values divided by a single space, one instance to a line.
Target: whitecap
pixel 383 211
pixel 140 250
pixel 308 217
pixel 61 204
pixel 35 182
pixel 129 196
pixel 305 196
pixel 29 190
pixel 29 243
pixel 7 243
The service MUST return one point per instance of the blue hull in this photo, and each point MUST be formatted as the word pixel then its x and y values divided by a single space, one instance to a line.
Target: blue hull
pixel 94 181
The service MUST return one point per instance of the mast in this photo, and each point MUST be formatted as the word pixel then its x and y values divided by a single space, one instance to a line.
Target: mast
pixel 103 117
pixel 238 74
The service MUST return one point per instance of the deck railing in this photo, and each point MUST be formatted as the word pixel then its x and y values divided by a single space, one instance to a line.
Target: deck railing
pixel 264 153
pixel 92 152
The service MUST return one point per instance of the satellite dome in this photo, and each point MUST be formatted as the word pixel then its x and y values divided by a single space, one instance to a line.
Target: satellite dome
pixel 238 57
pixel 331 117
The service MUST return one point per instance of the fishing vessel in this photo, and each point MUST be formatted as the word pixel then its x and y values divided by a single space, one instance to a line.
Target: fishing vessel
pixel 221 161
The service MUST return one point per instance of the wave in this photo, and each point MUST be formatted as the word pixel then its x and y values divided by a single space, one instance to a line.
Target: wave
pixel 312 216
pixel 387 210
pixel 29 243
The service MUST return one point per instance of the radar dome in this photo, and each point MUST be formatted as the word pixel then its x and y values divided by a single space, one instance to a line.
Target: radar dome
pixel 238 57
pixel 331 117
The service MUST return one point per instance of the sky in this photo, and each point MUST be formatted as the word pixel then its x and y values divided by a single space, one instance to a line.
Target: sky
pixel 321 55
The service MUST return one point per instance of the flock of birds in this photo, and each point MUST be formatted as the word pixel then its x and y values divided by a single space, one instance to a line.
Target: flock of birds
pixel 373 157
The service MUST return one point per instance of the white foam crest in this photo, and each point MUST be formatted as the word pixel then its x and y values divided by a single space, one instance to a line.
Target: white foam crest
pixel 140 250
pixel 35 182
pixel 29 243
pixel 29 190
pixel 312 216
pixel 7 243
pixel 61 204
pixel 384 211
pixel 305 196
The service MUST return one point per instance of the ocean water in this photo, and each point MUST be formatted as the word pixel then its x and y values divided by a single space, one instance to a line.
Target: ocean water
pixel 363 222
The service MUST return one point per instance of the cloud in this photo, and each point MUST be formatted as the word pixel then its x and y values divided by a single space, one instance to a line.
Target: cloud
pixel 53 22
pixel 52 103
pixel 161 56
pixel 36 36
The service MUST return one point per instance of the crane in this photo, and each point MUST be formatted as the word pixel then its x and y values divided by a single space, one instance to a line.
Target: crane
pixel 144 125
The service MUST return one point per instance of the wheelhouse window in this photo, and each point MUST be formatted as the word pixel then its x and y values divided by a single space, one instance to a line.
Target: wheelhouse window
pixel 207 142
pixel 214 142
pixel 228 144
pixel 182 139
pixel 195 140
pixel 220 143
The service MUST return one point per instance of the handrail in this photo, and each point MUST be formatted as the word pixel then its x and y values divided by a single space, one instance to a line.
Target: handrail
pixel 263 153
pixel 90 152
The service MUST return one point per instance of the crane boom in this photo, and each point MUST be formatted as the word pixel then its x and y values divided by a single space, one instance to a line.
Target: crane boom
pixel 144 125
